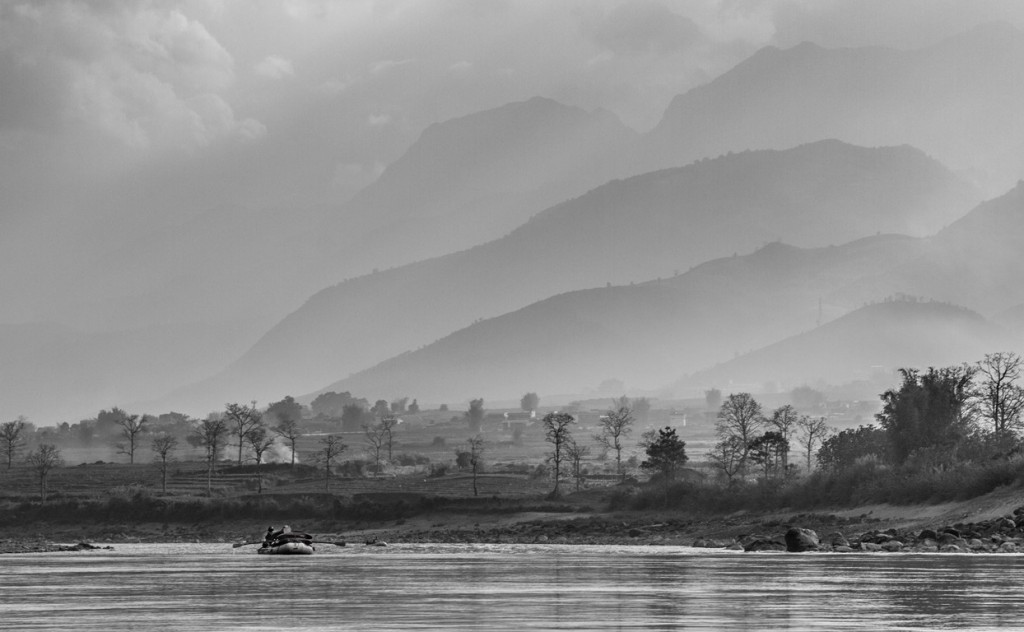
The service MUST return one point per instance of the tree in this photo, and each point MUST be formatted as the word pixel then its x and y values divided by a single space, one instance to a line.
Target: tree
pixel 353 417
pixel 333 447
pixel 529 402
pixel 739 417
pixel 131 427
pixel 475 447
pixel 163 446
pixel 812 432
pixel 844 449
pixel 805 397
pixel 43 460
pixel 1001 399
pixel 641 409
pixel 929 410
pixel 769 451
pixel 290 431
pixel 388 424
pixel 475 415
pixel 375 437
pixel 414 407
pixel 558 434
pixel 615 426
pixel 728 457
pixel 259 442
pixel 398 405
pixel 285 410
pixel 575 453
pixel 380 408
pixel 665 456
pixel 713 398
pixel 241 419
pixel 210 434
pixel 12 438
pixel 784 419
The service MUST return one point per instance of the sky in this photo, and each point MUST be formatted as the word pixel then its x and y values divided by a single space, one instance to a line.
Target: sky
pixel 121 117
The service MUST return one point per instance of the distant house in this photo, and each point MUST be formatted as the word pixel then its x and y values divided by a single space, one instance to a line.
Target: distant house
pixel 520 419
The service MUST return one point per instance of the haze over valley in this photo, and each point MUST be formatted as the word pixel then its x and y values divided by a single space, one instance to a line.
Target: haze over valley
pixel 664 196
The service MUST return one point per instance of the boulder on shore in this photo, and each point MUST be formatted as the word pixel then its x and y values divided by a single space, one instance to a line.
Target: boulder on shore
pixel 799 540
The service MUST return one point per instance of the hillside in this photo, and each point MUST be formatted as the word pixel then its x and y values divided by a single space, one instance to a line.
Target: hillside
pixel 474 178
pixel 957 100
pixel 869 343
pixel 641 334
pixel 630 230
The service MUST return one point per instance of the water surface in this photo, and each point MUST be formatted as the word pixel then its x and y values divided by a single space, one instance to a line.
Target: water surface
pixel 206 587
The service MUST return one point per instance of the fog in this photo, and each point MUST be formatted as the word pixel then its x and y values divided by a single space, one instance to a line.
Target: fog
pixel 179 179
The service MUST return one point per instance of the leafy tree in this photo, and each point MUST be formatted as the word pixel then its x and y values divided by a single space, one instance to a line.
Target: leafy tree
pixel 285 410
pixel 333 447
pixel 558 434
pixel 12 438
pixel 43 460
pixel 414 407
pixel 163 446
pixel 353 416
pixel 290 431
pixel 375 438
pixel 443 408
pixel 259 442
pixel 462 458
pixel 769 451
pixel 929 410
pixel 1001 398
pixel 475 448
pixel 616 424
pixel 806 398
pixel 713 399
pixel 739 417
pixel 241 419
pixel 529 402
pixel 331 404
pixel 381 408
pixel 665 455
pixel 398 406
pixel 641 409
pixel 812 431
pixel 844 449
pixel 475 415
pixel 210 434
pixel 575 453
pixel 131 427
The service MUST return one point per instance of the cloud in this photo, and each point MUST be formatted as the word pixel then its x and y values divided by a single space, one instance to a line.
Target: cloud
pixel 377 120
pixel 141 75
pixel 274 67
pixel 646 27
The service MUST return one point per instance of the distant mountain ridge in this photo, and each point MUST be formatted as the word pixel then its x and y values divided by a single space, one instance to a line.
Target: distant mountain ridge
pixel 636 229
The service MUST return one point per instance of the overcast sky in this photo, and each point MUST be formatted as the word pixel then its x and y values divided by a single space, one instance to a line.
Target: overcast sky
pixel 119 111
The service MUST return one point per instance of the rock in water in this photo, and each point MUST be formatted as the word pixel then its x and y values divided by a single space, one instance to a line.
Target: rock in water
pixel 800 540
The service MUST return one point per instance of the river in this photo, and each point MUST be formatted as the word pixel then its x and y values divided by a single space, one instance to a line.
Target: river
pixel 207 587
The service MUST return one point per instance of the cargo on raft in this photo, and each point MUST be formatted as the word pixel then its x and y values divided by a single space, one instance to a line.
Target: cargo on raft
pixel 287 542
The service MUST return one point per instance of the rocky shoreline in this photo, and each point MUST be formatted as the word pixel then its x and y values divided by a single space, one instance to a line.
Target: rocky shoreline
pixel 798 533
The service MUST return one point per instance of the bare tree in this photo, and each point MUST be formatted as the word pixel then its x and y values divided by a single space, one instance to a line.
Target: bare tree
pixel 164 446
pixel 259 442
pixel 727 456
pixel 375 437
pixel 813 431
pixel 333 447
pixel 557 433
pixel 576 453
pixel 739 417
pixel 210 434
pixel 11 439
pixel 1001 399
pixel 290 431
pixel 131 427
pixel 388 424
pixel 785 419
pixel 241 419
pixel 43 460
pixel 616 424
pixel 475 447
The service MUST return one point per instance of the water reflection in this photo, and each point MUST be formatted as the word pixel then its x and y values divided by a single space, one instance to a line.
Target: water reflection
pixel 451 587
